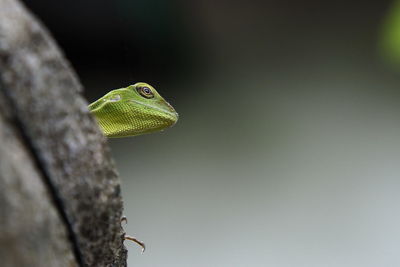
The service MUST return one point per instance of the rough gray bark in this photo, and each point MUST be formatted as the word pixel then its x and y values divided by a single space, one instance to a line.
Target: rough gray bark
pixel 31 232
pixel 60 202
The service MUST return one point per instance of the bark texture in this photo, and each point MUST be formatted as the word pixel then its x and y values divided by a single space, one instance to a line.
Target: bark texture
pixel 60 202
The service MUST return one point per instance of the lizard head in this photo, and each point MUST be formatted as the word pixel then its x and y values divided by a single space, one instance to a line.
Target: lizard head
pixel 134 110
pixel 155 112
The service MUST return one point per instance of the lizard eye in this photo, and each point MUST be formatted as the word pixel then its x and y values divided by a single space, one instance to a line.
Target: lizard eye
pixel 145 92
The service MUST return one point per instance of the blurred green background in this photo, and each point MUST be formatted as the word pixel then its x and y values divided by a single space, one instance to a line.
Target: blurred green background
pixel 287 151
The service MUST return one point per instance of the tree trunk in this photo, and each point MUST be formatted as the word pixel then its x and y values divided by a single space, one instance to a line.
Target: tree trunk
pixel 60 202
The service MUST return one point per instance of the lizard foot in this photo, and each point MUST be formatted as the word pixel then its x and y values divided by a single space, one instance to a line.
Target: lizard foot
pixel 131 238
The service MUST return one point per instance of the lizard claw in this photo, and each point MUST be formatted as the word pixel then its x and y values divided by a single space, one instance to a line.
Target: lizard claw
pixel 124 219
pixel 140 243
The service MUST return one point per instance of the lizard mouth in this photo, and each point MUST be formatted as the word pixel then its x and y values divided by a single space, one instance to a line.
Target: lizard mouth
pixel 170 112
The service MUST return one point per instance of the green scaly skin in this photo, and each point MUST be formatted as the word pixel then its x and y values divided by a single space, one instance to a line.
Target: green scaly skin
pixel 134 110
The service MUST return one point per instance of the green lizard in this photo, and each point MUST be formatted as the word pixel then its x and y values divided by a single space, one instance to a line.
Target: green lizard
pixel 134 110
